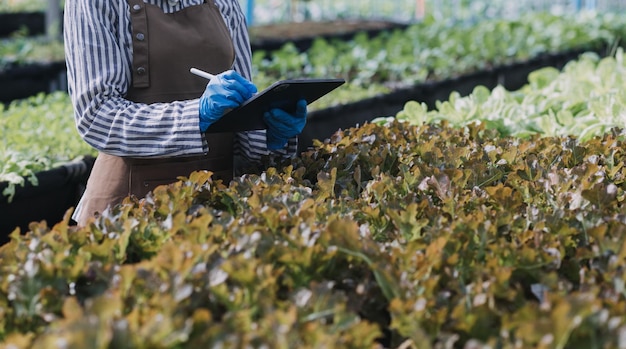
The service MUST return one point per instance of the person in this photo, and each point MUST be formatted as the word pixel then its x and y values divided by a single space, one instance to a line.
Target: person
pixel 136 102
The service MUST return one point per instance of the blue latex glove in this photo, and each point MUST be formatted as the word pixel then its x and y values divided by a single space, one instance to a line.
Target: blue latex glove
pixel 282 125
pixel 225 91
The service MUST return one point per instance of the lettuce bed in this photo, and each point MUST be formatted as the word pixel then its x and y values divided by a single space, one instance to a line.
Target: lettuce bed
pixel 400 235
pixel 434 50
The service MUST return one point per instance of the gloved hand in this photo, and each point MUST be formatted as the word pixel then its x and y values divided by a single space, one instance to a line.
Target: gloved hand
pixel 282 125
pixel 225 91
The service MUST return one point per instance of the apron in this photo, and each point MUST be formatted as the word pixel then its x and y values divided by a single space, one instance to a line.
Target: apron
pixel 165 47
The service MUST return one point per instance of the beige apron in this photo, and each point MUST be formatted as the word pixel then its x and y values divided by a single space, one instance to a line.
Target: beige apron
pixel 165 47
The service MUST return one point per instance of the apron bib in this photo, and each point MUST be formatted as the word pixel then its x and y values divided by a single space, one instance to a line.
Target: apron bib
pixel 165 47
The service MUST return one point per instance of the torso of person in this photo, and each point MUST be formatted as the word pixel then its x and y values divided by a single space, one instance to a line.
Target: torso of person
pixel 165 47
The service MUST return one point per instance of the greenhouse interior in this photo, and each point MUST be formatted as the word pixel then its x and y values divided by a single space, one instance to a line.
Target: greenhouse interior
pixel 406 174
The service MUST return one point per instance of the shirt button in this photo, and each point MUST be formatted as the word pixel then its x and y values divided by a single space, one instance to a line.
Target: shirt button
pixel 136 8
pixel 141 71
pixel 140 36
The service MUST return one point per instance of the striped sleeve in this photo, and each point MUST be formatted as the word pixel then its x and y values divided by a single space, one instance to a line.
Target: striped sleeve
pixel 98 56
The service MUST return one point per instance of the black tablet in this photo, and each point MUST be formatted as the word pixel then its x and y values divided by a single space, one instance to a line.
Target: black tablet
pixel 282 94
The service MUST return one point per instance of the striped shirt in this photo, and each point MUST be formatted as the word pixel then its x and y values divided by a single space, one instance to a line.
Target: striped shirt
pixel 98 47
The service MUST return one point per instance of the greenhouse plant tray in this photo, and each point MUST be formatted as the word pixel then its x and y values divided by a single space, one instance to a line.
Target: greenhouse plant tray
pixel 58 190
pixel 27 80
pixel 515 75
pixel 33 22
pixel 302 34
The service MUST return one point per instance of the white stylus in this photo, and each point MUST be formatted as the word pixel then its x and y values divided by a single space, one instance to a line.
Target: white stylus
pixel 202 73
